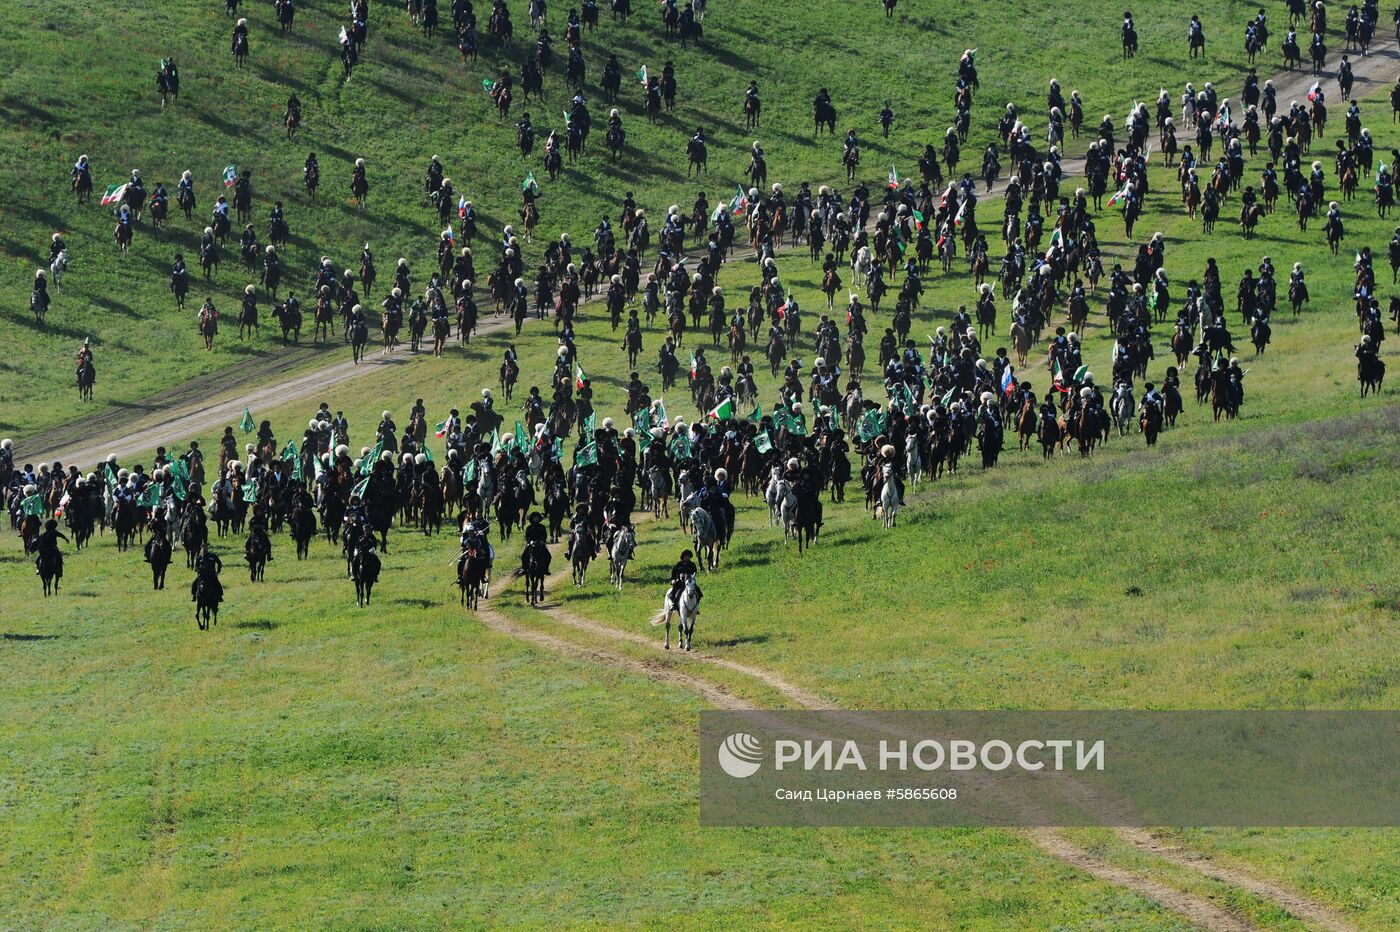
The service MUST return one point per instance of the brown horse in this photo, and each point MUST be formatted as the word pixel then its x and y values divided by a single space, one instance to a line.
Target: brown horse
pixel 1021 342
pixel 1026 419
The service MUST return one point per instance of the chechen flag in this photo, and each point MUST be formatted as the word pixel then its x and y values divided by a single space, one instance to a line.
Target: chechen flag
pixel 230 175
pixel 1059 378
pixel 440 430
pixel 1008 381
pixel 1314 91
pixel 894 178
pixel 1122 193
pixel 694 366
pixel 579 376
pixel 739 202
pixel 642 75
pixel 114 194
pixel 962 213
pixel 724 411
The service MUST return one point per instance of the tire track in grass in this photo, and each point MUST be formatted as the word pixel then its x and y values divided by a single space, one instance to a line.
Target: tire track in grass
pixel 1299 906
pixel 1198 910
pixel 1195 909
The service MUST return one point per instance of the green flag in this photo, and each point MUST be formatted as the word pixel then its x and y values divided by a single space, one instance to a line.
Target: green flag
pixel 150 496
pixel 522 440
pixel 641 423
pixel 1080 373
pixel 680 447
pixel 33 506
pixel 488 85
pixel 723 411
pixel 947 399
pixel 180 470
pixel 495 442
pixel 289 452
pixel 871 426
pixel 763 442
pixel 659 417
pixel 757 413
pixel 359 490
pixel 250 494
pixel 111 476
pixel 427 453
pixel 530 184
pixel 589 424
pixel 246 425
pixel 586 455
pixel 367 461
pixel 469 474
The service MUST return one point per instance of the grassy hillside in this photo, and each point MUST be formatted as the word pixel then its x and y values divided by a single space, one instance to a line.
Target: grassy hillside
pixel 80 79
pixel 309 763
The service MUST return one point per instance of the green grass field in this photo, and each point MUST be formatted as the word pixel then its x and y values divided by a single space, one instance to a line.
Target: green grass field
pixel 307 763
pixel 81 80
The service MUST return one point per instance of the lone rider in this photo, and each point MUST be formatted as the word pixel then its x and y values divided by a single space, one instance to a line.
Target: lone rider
pixel 207 567
pixel 685 569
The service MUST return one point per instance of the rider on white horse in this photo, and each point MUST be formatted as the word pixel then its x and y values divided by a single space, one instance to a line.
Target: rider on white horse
pixel 684 569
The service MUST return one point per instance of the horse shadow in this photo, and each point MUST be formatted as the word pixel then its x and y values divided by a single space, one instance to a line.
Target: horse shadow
pixel 49 327
pixel 416 603
pixel 222 125
pixel 275 78
pixel 259 625
pixel 109 304
pixel 745 639
pixel 12 103
pixel 401 95
pixel 23 250
pixel 8 636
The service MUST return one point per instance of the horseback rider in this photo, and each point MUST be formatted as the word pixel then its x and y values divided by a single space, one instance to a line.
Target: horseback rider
pixel 207 567
pixel 476 538
pixel 684 570
pixel 84 354
pixel 46 548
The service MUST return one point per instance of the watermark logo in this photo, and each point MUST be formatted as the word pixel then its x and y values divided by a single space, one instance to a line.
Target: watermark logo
pixel 740 755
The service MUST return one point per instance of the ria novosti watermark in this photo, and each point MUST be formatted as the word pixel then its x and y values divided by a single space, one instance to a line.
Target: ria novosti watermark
pixel 1050 768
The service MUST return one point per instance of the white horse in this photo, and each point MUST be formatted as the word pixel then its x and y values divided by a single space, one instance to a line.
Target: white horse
pixel 683 495
pixel 486 490
pixel 787 507
pixel 773 496
pixel 658 491
pixel 57 267
pixel 706 539
pixel 889 496
pixel 913 460
pixel 688 610
pixel 861 265
pixel 623 546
